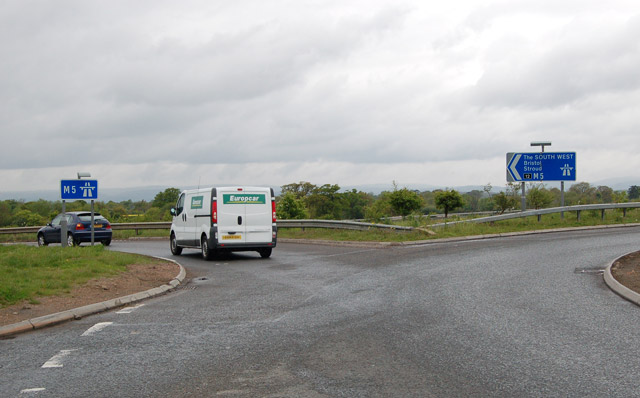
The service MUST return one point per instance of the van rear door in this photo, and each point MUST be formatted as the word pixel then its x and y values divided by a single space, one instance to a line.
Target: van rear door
pixel 258 217
pixel 245 215
pixel 231 216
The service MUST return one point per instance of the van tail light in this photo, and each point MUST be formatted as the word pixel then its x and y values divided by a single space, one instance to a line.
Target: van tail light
pixel 214 212
pixel 273 211
pixel 79 226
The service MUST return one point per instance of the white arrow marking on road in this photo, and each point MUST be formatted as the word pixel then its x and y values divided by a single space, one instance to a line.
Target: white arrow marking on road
pixel 129 310
pixel 56 360
pixel 30 390
pixel 96 328
pixel 512 167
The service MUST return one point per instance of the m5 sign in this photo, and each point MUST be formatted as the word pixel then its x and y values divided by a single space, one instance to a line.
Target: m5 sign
pixel 78 189
pixel 541 166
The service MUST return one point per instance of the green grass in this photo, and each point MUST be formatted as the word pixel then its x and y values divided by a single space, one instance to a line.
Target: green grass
pixel 550 221
pixel 372 235
pixel 28 272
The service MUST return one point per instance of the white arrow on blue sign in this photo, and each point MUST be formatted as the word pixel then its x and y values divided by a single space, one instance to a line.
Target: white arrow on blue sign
pixel 541 166
pixel 78 189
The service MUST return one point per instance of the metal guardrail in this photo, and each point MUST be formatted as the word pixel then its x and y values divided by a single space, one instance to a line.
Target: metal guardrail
pixel 363 226
pixel 578 209
pixel 335 224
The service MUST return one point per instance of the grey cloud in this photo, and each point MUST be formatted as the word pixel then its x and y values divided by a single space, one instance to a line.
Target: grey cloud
pixel 567 72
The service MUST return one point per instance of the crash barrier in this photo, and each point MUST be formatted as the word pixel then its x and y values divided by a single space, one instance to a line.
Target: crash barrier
pixel 334 224
pixel 578 209
pixel 362 226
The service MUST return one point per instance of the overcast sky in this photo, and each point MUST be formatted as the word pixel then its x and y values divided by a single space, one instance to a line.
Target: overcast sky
pixel 171 93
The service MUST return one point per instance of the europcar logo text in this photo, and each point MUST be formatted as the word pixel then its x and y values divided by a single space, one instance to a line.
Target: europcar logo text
pixel 239 198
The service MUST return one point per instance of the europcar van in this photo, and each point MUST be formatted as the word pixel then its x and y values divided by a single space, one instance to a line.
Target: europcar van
pixel 225 219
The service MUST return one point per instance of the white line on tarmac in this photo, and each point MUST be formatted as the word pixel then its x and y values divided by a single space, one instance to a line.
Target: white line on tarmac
pixel 129 310
pixel 56 360
pixel 96 328
pixel 31 390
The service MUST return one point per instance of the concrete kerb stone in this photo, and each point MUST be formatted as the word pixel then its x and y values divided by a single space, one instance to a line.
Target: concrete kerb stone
pixel 618 287
pixel 80 312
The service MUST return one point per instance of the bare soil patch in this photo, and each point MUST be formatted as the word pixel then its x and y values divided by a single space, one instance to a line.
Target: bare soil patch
pixel 136 279
pixel 626 270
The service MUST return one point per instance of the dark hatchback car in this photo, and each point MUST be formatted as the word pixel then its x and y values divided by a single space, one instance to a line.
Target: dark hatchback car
pixel 78 229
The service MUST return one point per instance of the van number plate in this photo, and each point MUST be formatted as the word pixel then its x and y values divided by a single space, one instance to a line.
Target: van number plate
pixel 229 237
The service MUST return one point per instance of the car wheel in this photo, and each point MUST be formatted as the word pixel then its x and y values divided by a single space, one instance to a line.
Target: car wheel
pixel 71 241
pixel 41 241
pixel 207 253
pixel 106 242
pixel 265 253
pixel 175 249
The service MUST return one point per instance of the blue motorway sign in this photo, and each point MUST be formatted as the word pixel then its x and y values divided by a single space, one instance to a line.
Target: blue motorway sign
pixel 78 189
pixel 541 166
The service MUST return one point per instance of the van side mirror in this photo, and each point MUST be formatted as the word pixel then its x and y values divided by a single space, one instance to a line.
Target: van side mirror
pixel 173 211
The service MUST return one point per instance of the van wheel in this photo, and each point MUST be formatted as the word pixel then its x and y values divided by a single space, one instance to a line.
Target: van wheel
pixel 265 253
pixel 175 249
pixel 207 253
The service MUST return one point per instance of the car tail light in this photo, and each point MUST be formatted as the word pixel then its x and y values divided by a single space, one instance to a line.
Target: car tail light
pixel 273 211
pixel 108 226
pixel 79 226
pixel 214 212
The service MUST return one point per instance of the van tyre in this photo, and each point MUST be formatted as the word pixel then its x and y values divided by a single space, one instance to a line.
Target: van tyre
pixel 175 249
pixel 207 253
pixel 265 253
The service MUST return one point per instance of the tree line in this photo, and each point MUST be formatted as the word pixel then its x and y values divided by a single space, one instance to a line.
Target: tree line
pixel 304 200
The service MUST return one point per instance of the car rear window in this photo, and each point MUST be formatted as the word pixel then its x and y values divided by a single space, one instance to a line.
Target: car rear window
pixel 87 217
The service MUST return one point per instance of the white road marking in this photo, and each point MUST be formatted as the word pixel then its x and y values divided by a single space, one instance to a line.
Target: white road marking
pixel 129 310
pixel 96 328
pixel 56 360
pixel 30 390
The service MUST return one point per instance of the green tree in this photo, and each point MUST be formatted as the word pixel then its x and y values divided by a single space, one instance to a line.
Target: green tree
pixel 620 197
pixel 448 200
pixel 27 218
pixel 5 214
pixel 289 207
pixel 581 193
pixel 504 202
pixel 633 192
pixel 300 189
pixel 380 208
pixel 604 194
pixel 539 197
pixel 166 199
pixel 472 200
pixel 323 202
pixel 354 204
pixel 404 202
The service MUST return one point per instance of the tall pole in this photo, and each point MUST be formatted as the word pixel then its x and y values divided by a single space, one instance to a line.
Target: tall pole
pixel 63 226
pixel 562 198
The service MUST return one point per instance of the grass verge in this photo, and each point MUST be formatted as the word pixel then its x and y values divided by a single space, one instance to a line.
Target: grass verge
pixel 28 272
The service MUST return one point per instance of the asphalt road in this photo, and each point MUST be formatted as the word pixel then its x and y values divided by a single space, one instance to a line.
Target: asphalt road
pixel 514 317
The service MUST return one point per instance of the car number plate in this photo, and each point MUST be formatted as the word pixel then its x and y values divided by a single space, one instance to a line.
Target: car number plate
pixel 231 237
pixel 97 225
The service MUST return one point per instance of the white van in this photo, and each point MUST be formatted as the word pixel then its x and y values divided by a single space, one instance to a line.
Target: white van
pixel 225 219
